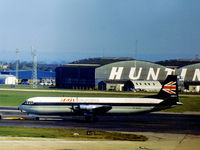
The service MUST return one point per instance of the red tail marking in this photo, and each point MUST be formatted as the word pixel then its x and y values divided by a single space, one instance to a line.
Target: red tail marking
pixel 170 87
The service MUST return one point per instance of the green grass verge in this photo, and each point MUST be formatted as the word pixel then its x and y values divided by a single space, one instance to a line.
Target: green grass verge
pixel 69 134
pixel 22 86
pixel 15 98
pixel 190 104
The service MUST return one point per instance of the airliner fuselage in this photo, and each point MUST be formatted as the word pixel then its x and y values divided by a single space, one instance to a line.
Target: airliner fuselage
pixel 93 106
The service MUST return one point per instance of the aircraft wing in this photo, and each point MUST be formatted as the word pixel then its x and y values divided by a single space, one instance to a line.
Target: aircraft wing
pixel 91 108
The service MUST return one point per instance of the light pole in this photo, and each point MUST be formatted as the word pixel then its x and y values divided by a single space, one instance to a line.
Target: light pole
pixel 34 71
pixel 17 66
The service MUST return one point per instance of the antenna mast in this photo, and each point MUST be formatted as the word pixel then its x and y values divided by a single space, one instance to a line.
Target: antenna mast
pixel 34 71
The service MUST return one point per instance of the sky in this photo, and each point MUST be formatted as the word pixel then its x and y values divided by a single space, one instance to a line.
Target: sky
pixel 69 30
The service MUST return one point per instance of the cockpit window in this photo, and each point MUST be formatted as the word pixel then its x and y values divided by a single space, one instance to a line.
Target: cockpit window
pixel 28 102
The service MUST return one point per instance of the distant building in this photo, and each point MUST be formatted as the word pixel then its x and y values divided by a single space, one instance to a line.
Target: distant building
pixel 8 79
pixel 111 85
pixel 25 76
pixel 76 76
pixel 189 74
pixel 194 88
pixel 137 85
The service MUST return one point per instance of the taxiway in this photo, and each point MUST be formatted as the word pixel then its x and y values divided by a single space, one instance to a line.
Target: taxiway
pixel 181 123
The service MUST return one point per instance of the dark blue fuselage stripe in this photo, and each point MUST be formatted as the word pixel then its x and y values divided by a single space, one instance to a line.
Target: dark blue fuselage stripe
pixel 107 104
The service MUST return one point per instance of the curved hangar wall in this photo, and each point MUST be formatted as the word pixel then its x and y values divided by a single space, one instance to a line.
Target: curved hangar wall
pixel 132 70
pixel 190 73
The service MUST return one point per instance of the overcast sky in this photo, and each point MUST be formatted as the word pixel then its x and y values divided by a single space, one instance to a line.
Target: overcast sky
pixel 68 30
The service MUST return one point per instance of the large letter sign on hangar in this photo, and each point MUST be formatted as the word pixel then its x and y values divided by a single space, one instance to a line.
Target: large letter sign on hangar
pixel 132 70
pixel 190 73
pixel 142 70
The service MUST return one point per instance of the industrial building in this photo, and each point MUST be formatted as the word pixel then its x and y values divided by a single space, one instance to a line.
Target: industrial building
pixel 121 74
pixel 76 76
pixel 25 76
pixel 81 74
pixel 111 85
pixel 8 79
pixel 138 85
pixel 190 76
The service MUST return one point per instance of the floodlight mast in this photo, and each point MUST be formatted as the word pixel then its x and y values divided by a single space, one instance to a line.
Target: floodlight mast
pixel 34 71
pixel 17 66
pixel 135 61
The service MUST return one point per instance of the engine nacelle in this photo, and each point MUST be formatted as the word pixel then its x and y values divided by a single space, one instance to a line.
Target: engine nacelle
pixel 89 107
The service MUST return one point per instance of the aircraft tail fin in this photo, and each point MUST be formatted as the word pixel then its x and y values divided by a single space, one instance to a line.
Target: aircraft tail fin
pixel 169 90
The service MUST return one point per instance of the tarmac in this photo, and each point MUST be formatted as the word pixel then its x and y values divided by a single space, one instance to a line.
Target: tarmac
pixel 157 141
pixel 165 131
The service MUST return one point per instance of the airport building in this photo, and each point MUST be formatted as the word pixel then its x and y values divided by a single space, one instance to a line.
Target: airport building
pixel 121 73
pixel 8 79
pixel 138 85
pixel 190 76
pixel 111 85
pixel 76 76
pixel 132 70
pixel 25 76
pixel 81 74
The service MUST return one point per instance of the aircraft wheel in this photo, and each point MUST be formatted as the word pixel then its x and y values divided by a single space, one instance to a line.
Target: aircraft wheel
pixel 95 119
pixel 91 118
pixel 88 118
pixel 37 118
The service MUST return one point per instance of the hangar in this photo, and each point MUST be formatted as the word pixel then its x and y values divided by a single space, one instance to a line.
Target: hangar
pixel 111 85
pixel 81 74
pixel 88 76
pixel 76 76
pixel 115 72
pixel 190 75
pixel 138 85
pixel 132 70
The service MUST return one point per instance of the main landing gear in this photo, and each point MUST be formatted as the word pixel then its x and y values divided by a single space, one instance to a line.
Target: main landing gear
pixel 91 118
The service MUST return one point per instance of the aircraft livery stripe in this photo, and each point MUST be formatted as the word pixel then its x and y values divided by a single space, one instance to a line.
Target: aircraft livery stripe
pixel 108 104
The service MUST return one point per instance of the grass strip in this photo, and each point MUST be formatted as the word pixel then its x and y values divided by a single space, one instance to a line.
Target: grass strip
pixel 68 134
pixel 190 104
pixel 15 98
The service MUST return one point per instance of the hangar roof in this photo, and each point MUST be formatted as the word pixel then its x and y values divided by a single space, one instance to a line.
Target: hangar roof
pixel 84 65
pixel 194 66
pixel 101 60
pixel 179 62
pixel 124 70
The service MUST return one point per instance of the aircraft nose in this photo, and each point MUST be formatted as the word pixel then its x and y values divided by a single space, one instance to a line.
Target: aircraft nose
pixel 20 107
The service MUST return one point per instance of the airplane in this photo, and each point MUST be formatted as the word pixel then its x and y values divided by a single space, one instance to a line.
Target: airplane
pixel 91 107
